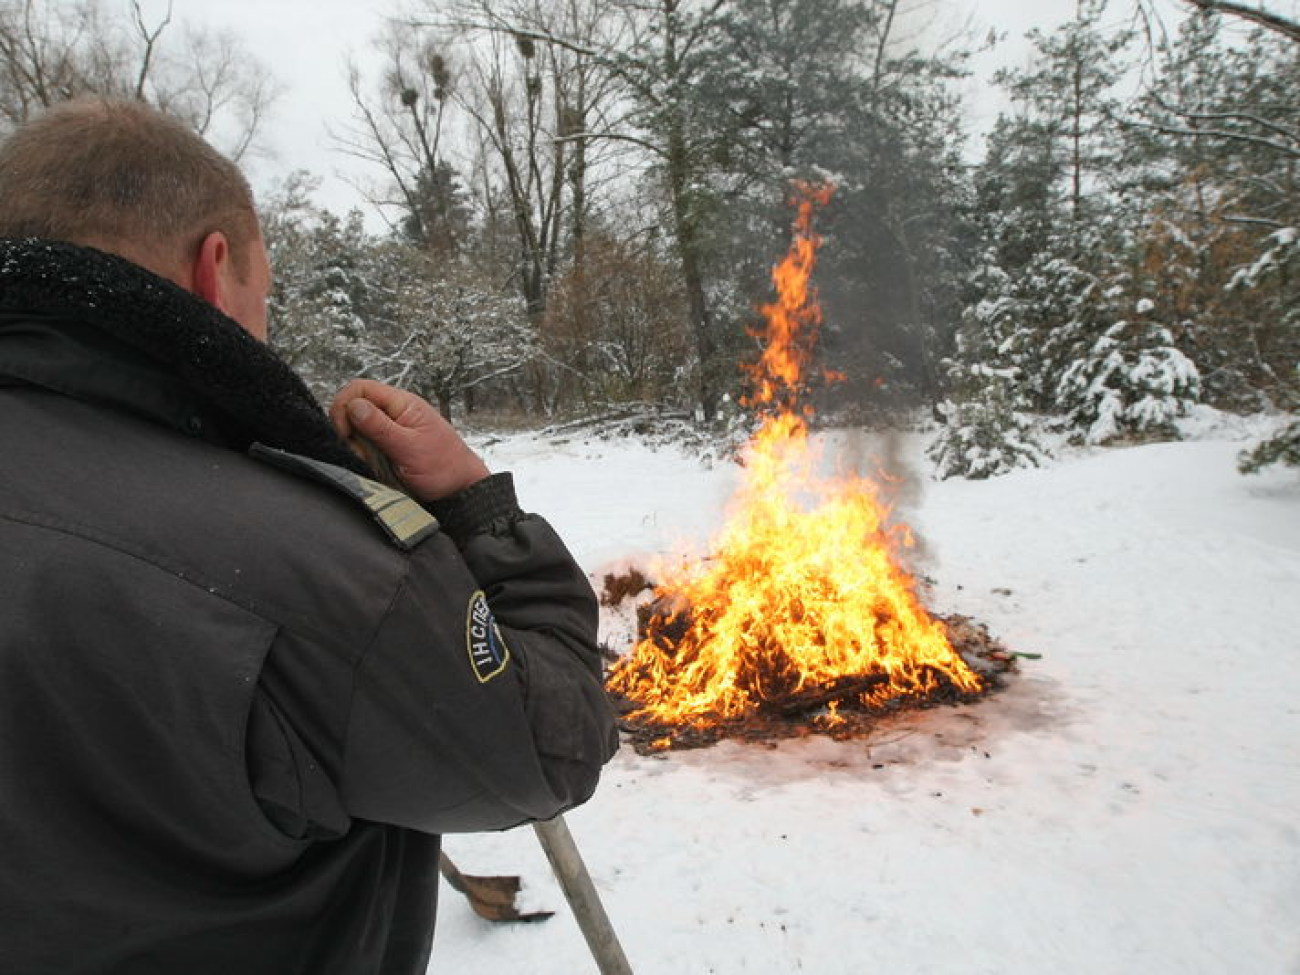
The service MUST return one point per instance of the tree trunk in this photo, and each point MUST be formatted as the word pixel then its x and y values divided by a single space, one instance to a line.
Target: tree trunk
pixel 688 248
pixel 686 220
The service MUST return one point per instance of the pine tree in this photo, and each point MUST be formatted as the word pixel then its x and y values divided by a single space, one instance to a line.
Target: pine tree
pixel 826 89
pixel 988 426
pixel 1132 380
pixel 1281 448
pixel 1068 96
pixel 1220 122
pixel 1277 273
pixel 1074 329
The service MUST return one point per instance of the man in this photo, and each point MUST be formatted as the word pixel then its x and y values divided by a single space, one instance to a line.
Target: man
pixel 243 689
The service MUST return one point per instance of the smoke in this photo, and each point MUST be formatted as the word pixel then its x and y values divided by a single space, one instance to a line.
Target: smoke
pixel 882 457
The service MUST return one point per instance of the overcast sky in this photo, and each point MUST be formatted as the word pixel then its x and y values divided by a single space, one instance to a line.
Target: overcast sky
pixel 306 43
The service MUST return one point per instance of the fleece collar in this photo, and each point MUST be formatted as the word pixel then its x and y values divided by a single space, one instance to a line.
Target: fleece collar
pixel 151 345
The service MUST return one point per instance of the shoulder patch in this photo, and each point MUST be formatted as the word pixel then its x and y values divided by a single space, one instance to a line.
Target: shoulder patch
pixel 405 522
pixel 488 653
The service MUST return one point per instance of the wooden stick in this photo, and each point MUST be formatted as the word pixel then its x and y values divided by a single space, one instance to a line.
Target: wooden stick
pixel 575 881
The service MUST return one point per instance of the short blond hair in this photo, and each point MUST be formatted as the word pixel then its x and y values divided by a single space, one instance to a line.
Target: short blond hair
pixel 123 177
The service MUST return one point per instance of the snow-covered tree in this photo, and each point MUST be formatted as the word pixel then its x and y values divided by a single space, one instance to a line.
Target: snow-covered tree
pixel 445 333
pixel 346 303
pixel 321 296
pixel 1281 448
pixel 1131 381
pixel 984 434
pixel 1277 271
pixel 1059 321
pixel 988 424
pixel 1218 129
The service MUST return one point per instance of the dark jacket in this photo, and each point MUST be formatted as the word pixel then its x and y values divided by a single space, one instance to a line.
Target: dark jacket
pixel 236 709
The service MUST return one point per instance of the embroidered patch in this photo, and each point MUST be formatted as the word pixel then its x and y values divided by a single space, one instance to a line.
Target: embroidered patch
pixel 488 653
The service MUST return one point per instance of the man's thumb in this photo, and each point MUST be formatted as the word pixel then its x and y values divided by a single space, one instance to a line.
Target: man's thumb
pixel 361 412
pixel 371 422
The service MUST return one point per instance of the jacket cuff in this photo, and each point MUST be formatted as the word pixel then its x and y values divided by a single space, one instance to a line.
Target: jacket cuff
pixel 474 509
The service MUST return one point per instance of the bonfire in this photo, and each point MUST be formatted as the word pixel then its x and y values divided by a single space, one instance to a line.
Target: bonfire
pixel 802 607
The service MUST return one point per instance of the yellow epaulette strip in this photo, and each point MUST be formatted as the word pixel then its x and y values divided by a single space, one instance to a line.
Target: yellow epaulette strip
pixel 405 522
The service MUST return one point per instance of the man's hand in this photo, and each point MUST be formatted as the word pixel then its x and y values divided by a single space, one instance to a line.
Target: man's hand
pixel 426 454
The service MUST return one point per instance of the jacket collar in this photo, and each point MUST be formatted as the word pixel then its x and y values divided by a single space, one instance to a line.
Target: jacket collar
pixel 96 326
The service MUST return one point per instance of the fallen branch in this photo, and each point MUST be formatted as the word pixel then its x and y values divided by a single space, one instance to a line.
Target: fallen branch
pixel 842 690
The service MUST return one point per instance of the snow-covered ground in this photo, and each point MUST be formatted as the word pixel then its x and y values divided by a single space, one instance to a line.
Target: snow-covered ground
pixel 1130 805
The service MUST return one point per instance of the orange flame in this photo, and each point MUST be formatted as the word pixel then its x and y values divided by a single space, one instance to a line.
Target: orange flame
pixel 794 319
pixel 804 591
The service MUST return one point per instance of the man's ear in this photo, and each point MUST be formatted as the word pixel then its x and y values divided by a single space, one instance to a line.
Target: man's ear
pixel 211 270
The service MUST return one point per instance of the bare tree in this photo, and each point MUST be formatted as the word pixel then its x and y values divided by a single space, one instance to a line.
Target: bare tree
pixel 52 52
pixel 42 60
pixel 540 95
pixel 212 84
pixel 643 57
pixel 1267 19
pixel 398 124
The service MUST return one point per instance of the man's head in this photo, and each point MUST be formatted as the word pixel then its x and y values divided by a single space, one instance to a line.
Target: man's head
pixel 124 178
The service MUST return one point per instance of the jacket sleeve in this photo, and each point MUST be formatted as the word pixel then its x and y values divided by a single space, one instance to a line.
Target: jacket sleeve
pixel 479 704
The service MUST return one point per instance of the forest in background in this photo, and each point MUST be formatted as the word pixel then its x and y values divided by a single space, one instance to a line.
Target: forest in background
pixel 584 199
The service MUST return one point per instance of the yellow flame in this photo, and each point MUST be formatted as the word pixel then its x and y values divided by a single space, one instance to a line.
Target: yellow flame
pixel 804 590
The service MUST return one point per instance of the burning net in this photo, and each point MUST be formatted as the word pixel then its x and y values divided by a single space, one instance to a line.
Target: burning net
pixel 803 603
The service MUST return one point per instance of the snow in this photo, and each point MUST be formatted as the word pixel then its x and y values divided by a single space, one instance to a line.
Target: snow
pixel 1129 805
